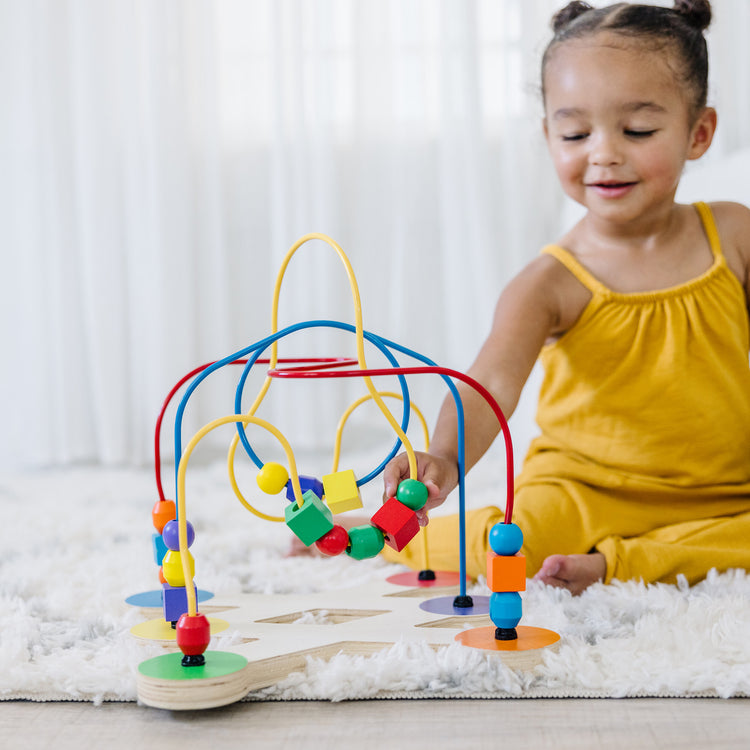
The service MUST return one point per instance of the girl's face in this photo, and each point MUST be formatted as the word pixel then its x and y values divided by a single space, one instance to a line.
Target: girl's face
pixel 618 125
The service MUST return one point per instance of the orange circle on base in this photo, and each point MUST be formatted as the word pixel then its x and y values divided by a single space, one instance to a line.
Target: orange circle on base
pixel 528 639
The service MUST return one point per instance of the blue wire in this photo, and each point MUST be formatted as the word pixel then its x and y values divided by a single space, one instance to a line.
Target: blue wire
pixel 372 338
pixel 461 462
pixel 377 341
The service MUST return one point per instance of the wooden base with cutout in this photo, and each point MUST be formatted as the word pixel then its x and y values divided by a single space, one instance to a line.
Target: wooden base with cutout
pixel 279 632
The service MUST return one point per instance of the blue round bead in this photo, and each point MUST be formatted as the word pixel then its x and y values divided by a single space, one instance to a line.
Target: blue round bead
pixel 171 534
pixel 506 609
pixel 506 538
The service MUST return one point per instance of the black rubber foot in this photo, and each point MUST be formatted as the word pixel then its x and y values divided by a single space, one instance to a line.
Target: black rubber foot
pixel 506 634
pixel 426 575
pixel 463 602
pixel 173 624
pixel 198 660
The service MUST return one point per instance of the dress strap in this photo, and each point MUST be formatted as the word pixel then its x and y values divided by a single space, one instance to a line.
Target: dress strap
pixel 577 269
pixel 709 227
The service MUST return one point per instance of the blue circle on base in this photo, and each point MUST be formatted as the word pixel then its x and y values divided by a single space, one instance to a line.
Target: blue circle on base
pixel 443 605
pixel 153 598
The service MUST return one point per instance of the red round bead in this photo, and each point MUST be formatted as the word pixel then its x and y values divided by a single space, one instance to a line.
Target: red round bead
pixel 193 634
pixel 334 542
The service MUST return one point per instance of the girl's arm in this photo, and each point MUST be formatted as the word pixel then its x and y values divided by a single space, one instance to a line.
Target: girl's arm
pixel 733 224
pixel 540 303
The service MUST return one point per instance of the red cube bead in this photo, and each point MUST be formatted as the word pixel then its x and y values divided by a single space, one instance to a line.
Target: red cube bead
pixel 398 523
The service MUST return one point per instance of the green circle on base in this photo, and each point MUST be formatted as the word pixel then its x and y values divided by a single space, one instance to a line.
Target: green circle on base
pixel 169 666
pixel 162 682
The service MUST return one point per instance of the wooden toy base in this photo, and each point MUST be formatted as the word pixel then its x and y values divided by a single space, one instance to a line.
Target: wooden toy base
pixel 277 634
pixel 164 683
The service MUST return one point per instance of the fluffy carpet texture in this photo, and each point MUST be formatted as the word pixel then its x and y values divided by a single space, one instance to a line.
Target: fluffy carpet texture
pixel 75 544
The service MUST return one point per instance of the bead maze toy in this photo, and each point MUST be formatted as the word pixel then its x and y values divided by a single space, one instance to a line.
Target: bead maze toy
pixel 276 632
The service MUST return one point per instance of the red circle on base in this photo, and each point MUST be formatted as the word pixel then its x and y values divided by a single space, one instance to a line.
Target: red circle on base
pixel 528 639
pixel 411 578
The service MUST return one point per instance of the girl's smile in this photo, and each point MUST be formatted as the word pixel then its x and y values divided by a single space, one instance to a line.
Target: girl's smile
pixel 618 128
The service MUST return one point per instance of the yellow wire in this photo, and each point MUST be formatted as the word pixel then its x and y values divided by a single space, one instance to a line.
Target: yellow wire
pixel 358 403
pixel 359 336
pixel 245 419
pixel 238 492
pixel 425 432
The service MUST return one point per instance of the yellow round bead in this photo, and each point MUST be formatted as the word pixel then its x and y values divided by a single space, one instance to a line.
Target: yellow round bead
pixel 171 567
pixel 272 478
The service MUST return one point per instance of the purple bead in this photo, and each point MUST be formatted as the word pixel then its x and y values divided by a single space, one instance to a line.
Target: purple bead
pixel 171 534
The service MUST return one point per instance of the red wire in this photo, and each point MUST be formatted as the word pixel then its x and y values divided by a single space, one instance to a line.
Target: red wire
pixel 488 397
pixel 322 370
pixel 325 362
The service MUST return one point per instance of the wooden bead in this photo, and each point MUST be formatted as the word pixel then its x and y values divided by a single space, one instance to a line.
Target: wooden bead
pixel 311 521
pixel 341 491
pixel 506 572
pixel 172 567
pixel 174 601
pixel 171 534
pixel 160 549
pixel 398 523
pixel 306 483
pixel 506 609
pixel 506 539
pixel 334 542
pixel 364 541
pixel 412 493
pixel 193 634
pixel 163 511
pixel 272 478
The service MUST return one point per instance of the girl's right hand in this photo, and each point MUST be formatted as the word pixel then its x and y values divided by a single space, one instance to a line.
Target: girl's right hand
pixel 439 475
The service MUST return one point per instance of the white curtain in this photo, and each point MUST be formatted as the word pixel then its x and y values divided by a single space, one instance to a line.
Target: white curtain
pixel 159 157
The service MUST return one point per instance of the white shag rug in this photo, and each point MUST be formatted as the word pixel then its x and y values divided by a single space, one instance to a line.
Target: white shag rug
pixel 74 544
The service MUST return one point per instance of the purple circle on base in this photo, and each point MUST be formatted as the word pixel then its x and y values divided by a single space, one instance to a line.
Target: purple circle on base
pixel 153 598
pixel 411 578
pixel 443 605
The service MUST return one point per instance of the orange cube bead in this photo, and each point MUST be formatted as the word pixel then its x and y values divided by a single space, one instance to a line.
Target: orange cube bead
pixel 398 523
pixel 506 572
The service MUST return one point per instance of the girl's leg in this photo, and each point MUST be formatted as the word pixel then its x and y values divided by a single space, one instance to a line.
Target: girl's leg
pixel 443 543
pixel 554 517
pixel 691 548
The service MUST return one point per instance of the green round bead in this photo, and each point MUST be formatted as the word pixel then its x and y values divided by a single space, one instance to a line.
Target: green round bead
pixel 365 541
pixel 412 493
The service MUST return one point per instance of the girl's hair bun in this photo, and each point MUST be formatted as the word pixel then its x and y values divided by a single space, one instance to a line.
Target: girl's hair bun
pixel 697 13
pixel 569 13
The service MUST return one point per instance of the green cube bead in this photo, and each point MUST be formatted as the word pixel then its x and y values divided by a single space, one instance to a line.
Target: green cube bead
pixel 311 521
pixel 365 541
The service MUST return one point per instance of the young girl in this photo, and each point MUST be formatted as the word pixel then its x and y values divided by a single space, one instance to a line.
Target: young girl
pixel 640 316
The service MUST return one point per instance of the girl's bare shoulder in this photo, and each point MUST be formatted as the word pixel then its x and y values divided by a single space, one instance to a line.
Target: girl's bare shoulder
pixel 549 283
pixel 733 224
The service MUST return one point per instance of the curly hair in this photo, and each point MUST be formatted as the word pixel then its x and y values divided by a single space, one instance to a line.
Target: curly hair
pixel 680 28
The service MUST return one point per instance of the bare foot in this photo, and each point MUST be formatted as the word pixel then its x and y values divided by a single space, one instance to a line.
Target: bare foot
pixel 573 572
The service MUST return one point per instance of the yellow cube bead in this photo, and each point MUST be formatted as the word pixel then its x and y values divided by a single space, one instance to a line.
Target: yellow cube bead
pixel 341 491
pixel 172 567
